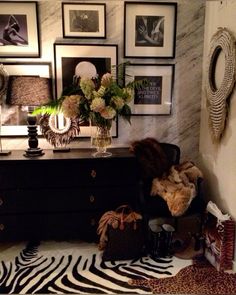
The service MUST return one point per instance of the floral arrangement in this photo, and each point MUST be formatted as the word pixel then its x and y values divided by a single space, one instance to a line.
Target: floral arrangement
pixel 96 100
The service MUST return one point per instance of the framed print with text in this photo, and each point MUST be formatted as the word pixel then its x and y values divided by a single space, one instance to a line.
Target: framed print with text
pixel 72 60
pixel 84 20
pixel 150 29
pixel 155 97
pixel 14 118
pixel 19 32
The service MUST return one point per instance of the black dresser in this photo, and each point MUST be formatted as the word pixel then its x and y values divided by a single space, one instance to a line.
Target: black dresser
pixel 63 195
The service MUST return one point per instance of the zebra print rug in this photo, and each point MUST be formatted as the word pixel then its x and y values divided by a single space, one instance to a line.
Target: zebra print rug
pixel 53 267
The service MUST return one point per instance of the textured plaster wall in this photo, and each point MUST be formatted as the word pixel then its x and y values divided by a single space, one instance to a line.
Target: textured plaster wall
pixel 182 126
pixel 218 160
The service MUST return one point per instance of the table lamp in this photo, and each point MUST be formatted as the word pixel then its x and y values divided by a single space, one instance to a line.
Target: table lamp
pixel 29 91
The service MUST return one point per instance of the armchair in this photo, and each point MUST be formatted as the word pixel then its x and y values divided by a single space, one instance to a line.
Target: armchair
pixel 154 208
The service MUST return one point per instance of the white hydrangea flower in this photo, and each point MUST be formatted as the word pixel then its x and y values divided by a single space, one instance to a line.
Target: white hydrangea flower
pixel 87 86
pixel 98 104
pixel 106 80
pixel 70 106
pixel 101 91
pixel 108 113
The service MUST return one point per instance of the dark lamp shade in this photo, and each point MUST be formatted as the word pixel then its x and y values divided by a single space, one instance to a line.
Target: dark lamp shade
pixel 28 91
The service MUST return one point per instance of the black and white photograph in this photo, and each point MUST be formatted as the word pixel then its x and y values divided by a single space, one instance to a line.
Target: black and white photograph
pixel 149 29
pixel 154 97
pixel 74 60
pixel 19 33
pixel 13 30
pixel 82 20
pixel 14 116
pixel 75 67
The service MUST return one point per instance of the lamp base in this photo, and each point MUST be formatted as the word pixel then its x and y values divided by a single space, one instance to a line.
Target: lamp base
pixel 5 153
pixel 33 152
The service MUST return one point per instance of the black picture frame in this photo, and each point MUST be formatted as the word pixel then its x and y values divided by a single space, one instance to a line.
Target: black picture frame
pixel 14 118
pixel 84 20
pixel 155 97
pixel 19 29
pixel 67 56
pixel 150 29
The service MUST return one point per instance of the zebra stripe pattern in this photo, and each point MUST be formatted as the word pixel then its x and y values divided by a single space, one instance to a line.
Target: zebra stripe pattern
pixel 68 268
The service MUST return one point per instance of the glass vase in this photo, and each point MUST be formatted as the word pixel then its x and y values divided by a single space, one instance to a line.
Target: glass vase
pixel 101 140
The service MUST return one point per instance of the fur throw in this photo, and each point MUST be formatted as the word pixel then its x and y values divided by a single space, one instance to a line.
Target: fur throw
pixel 151 157
pixel 178 187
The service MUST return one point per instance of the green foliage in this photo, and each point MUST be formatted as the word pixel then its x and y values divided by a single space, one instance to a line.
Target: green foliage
pixel 126 113
pixel 53 107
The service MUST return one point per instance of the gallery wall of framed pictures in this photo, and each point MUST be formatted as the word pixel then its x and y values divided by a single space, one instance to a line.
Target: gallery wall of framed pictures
pixel 149 32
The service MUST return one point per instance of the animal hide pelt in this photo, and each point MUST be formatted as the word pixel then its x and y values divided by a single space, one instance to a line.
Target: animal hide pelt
pixel 178 187
pixel 151 157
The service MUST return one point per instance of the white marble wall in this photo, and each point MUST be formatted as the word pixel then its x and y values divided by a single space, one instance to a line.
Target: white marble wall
pixel 182 126
pixel 217 158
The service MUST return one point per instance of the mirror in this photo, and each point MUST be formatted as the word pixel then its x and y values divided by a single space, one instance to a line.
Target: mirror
pixel 59 124
pixel 221 73
pixel 217 67
pixel 58 130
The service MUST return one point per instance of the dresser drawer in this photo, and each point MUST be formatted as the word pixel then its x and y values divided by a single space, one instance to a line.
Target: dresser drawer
pixel 49 226
pixel 63 195
pixel 59 200
pixel 68 173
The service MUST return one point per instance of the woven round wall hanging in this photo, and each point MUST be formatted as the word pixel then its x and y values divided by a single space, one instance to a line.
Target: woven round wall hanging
pixel 55 136
pixel 217 98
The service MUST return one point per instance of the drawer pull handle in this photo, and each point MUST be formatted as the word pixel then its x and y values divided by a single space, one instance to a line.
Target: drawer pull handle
pixel 92 222
pixel 1 201
pixel 91 199
pixel 93 173
pixel 2 227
